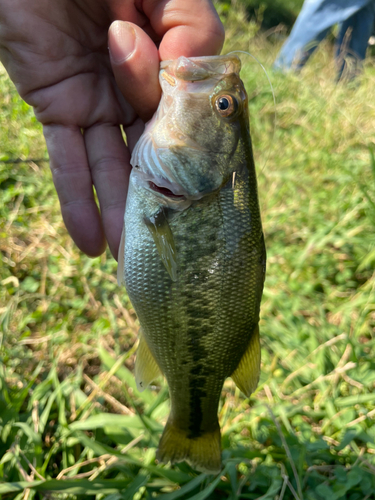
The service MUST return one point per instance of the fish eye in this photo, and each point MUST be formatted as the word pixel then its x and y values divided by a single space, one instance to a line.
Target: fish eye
pixel 223 103
pixel 226 105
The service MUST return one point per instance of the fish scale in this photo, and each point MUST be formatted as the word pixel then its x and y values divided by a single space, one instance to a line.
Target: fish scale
pixel 194 268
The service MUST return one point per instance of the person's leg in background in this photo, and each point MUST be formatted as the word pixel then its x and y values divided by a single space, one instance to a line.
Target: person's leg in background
pixel 312 25
pixel 352 41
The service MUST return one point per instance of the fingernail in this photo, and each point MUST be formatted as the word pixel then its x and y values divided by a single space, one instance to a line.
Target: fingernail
pixel 122 43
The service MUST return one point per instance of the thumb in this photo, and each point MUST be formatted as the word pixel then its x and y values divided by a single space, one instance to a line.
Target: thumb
pixel 135 64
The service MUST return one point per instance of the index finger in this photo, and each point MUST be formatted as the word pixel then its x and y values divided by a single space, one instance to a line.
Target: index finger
pixel 188 29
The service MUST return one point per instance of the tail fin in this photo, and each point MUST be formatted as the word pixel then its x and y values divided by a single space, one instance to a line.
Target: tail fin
pixel 202 453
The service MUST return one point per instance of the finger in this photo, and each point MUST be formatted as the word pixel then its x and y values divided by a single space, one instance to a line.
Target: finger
pixel 135 63
pixel 72 179
pixel 109 158
pixel 188 28
pixel 133 133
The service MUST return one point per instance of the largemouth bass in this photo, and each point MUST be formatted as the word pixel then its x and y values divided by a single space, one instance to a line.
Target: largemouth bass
pixel 192 254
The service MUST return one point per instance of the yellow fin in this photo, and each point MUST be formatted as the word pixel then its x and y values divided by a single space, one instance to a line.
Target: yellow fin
pixel 202 453
pixel 146 368
pixel 164 241
pixel 121 259
pixel 246 375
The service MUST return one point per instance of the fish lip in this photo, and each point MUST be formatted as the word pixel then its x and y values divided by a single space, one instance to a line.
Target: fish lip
pixel 199 68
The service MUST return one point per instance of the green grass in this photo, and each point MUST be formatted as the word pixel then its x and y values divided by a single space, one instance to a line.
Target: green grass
pixel 273 15
pixel 72 423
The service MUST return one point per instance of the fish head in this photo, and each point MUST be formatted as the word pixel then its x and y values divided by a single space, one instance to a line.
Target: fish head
pixel 187 149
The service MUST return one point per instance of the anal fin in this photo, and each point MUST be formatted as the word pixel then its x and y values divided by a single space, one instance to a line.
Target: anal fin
pixel 146 367
pixel 246 375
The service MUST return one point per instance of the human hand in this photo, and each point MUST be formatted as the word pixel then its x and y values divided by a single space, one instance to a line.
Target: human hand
pixel 57 56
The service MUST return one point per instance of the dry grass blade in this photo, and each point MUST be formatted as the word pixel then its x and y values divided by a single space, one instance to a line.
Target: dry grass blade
pixel 102 384
pixel 329 376
pixel 117 406
pixel 361 419
pixel 100 459
pixel 328 343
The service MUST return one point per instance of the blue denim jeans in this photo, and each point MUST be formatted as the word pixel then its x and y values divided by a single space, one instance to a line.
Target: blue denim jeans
pixel 356 19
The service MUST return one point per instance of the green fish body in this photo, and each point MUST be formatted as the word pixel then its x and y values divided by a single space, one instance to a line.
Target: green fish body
pixel 193 256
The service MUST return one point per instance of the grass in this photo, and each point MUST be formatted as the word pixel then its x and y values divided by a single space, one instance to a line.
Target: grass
pixel 73 425
pixel 274 15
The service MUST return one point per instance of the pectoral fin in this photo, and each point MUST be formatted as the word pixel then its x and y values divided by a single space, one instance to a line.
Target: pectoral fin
pixel 121 259
pixel 164 241
pixel 146 368
pixel 246 375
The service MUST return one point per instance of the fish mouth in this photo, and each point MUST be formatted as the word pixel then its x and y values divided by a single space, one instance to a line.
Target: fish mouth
pixel 161 187
pixel 165 191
